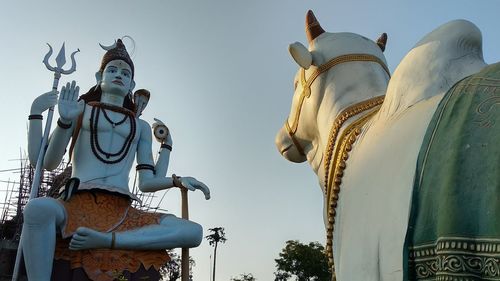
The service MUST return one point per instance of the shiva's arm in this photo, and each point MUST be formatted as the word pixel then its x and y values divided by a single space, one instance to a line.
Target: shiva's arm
pixel 39 105
pixel 148 181
pixel 69 109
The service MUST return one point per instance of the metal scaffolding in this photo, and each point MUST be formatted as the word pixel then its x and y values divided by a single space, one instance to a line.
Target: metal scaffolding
pixel 14 197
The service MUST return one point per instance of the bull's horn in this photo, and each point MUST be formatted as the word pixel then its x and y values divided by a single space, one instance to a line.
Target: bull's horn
pixel 300 54
pixel 382 41
pixel 313 28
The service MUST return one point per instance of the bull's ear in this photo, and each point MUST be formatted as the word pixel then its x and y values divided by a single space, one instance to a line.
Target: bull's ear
pixel 382 41
pixel 300 54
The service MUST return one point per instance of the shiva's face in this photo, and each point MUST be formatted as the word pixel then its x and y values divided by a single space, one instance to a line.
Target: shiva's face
pixel 117 78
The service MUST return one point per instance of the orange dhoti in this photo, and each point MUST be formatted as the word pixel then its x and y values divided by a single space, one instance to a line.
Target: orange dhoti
pixel 106 212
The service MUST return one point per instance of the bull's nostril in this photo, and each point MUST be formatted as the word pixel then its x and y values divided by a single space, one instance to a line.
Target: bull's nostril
pixel 286 148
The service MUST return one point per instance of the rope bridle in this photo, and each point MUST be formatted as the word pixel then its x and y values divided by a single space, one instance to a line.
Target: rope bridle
pixel 307 83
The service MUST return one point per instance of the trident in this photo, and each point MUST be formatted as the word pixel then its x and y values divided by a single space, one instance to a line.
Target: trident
pixel 58 70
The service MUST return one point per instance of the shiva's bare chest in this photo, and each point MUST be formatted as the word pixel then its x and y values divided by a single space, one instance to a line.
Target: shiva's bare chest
pixel 105 125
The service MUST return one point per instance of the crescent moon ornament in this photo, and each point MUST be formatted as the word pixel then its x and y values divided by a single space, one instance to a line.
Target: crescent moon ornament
pixel 107 48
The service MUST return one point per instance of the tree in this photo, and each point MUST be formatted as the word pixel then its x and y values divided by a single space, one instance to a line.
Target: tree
pixel 281 276
pixel 305 262
pixel 217 236
pixel 171 271
pixel 244 277
pixel 173 268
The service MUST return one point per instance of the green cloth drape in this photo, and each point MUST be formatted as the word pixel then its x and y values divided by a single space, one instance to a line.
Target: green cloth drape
pixel 454 225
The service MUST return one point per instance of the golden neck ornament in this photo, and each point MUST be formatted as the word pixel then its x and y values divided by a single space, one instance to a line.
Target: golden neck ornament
pixel 337 153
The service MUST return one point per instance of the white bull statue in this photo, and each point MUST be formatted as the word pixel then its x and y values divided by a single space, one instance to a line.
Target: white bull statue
pixel 369 139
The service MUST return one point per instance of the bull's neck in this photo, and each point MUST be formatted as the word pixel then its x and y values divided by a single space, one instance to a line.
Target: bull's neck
pixel 340 93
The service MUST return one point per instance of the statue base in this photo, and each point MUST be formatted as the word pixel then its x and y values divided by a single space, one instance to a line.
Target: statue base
pixel 62 271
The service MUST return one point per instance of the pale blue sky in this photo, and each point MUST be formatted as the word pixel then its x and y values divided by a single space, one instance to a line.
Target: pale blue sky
pixel 221 79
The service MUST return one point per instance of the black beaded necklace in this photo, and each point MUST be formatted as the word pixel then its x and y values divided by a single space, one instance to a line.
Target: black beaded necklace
pixel 114 124
pixel 94 140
